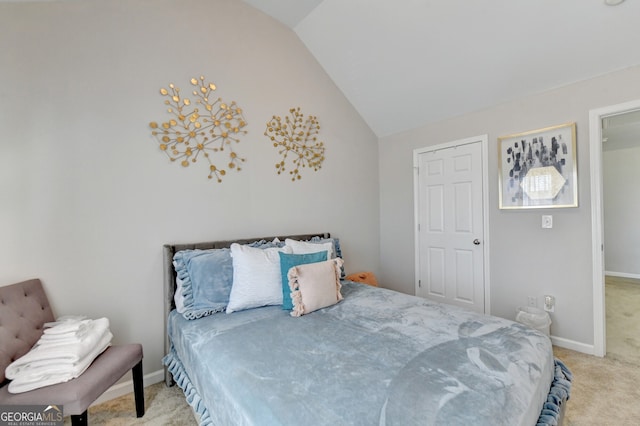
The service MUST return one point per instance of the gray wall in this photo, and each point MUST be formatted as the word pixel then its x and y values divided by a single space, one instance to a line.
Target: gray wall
pixel 88 200
pixel 87 197
pixel 621 197
pixel 525 260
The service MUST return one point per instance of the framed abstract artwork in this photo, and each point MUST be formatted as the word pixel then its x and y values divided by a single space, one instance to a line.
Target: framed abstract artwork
pixel 538 168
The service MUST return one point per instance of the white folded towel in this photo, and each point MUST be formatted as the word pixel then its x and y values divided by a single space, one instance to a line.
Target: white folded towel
pixel 55 371
pixel 76 336
pixel 66 324
pixel 57 360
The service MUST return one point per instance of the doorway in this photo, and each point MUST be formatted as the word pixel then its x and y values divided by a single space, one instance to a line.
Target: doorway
pixel 601 128
pixel 450 199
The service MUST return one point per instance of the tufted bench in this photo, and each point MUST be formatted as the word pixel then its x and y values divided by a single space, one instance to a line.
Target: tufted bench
pixel 24 308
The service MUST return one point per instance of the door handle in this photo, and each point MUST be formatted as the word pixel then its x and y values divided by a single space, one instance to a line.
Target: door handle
pixel 476 242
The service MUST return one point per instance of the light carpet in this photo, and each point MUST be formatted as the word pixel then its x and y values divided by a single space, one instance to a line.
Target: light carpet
pixel 605 392
pixel 164 406
pixel 622 298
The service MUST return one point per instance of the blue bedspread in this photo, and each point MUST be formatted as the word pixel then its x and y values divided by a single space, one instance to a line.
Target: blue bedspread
pixel 379 357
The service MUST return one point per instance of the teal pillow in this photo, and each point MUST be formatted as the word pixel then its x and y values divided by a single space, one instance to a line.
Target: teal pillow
pixel 288 261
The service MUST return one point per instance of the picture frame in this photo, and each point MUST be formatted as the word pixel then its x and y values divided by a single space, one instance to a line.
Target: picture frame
pixel 538 168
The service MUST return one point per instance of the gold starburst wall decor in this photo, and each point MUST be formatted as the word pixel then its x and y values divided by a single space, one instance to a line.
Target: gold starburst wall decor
pixel 296 136
pixel 202 128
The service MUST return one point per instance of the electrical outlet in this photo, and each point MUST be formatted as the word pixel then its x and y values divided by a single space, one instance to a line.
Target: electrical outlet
pixel 547 221
pixel 531 301
pixel 549 303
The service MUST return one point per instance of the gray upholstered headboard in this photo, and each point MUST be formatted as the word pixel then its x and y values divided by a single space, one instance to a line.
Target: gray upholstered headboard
pixel 24 309
pixel 170 274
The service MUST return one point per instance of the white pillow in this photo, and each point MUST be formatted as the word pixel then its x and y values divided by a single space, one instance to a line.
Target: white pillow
pixel 257 280
pixel 178 296
pixel 306 247
pixel 314 286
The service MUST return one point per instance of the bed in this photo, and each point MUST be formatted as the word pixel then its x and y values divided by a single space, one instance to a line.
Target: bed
pixel 372 357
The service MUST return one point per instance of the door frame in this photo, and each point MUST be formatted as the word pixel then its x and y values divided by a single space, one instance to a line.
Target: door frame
pixel 597 209
pixel 484 141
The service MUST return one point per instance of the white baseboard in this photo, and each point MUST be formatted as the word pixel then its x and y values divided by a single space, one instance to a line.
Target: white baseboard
pixel 573 345
pixel 622 275
pixel 123 388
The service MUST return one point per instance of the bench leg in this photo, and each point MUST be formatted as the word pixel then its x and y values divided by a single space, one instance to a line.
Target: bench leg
pixel 79 419
pixel 138 388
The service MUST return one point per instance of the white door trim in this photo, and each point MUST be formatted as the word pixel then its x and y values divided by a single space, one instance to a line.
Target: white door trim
pixel 484 141
pixel 597 232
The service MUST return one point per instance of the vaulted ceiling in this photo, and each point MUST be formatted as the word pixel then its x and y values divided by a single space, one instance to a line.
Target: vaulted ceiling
pixel 407 63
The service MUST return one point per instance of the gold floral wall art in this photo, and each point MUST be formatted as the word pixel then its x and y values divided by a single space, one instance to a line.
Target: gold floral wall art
pixel 205 127
pixel 297 142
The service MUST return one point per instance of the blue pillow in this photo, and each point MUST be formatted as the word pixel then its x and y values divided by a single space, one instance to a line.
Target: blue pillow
pixel 207 277
pixel 288 261
pixel 337 251
pixel 336 244
pixel 263 244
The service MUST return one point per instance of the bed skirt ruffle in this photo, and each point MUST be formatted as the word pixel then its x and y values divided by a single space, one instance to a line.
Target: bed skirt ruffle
pixel 180 376
pixel 553 409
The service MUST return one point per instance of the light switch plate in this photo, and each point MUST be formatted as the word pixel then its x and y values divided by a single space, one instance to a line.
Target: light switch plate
pixel 547 221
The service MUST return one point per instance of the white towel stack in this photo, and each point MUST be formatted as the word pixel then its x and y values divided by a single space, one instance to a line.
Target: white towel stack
pixel 65 350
